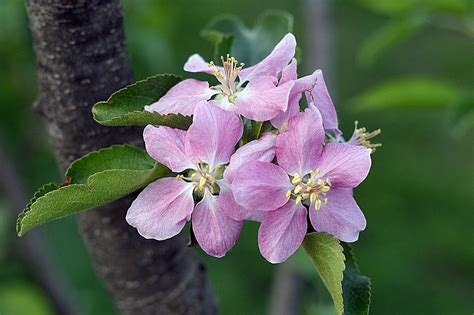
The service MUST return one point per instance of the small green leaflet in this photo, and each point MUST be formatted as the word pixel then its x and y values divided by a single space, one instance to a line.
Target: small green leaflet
pixel 337 268
pixel 328 258
pixel 96 179
pixel 248 45
pixel 126 106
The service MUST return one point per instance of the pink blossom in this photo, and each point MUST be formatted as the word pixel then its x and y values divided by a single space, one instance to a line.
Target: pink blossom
pixel 310 177
pixel 199 155
pixel 252 92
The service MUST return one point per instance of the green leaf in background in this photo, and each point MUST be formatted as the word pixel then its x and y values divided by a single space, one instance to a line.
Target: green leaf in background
pixel 328 258
pixel 463 115
pixel 126 106
pixel 250 45
pixel 93 180
pixel 400 7
pixel 355 287
pixel 20 298
pixel 388 36
pixel 409 93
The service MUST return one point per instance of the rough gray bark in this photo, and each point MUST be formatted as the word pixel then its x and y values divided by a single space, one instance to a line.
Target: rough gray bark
pixel 82 58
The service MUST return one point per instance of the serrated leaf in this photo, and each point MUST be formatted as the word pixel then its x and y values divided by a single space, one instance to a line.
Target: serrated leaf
pixel 328 258
pixel 388 36
pixel 355 287
pixel 93 180
pixel 250 45
pixel 409 93
pixel 126 107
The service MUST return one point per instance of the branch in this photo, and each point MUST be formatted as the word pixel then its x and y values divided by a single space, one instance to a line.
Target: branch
pixel 82 58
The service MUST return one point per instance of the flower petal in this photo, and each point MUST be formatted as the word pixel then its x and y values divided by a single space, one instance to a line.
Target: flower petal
pixel 341 216
pixel 289 73
pixel 299 148
pixel 274 63
pixel 162 208
pixel 261 186
pixel 166 145
pixel 231 208
pixel 320 98
pixel 213 134
pixel 215 232
pixel 301 85
pixel 282 231
pixel 261 100
pixel 344 164
pixel 182 98
pixel 196 63
pixel 262 149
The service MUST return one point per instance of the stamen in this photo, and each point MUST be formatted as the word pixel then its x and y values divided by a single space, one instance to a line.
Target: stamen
pixel 317 204
pixel 362 137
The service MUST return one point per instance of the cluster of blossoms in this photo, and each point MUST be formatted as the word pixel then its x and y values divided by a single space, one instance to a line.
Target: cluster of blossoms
pixel 302 168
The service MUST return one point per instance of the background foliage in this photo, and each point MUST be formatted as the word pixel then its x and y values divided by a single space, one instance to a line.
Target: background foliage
pixel 418 199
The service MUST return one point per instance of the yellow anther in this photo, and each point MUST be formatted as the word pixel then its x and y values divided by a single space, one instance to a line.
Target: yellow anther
pixel 326 200
pixel 318 170
pixel 296 179
pixel 312 197
pixel 298 189
pixel 305 196
pixel 317 204
pixel 320 182
pixel 325 189
pixel 298 199
pixel 202 182
pixel 311 172
pixel 179 176
pixel 288 193
pixel 310 182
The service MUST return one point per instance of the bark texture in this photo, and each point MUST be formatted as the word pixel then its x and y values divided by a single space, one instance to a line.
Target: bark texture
pixel 82 58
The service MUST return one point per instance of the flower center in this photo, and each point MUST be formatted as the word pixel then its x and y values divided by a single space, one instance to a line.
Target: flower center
pixel 228 86
pixel 203 178
pixel 362 137
pixel 310 188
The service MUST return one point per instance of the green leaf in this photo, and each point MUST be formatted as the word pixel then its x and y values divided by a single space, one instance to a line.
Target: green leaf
pixel 355 287
pixel 93 180
pixel 409 93
pixel 126 106
pixel 388 36
pixel 463 115
pixel 328 258
pixel 250 45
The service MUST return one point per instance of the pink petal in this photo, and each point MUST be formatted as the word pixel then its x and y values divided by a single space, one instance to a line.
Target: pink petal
pixel 230 208
pixel 215 232
pixel 182 98
pixel 344 164
pixel 261 186
pixel 274 63
pixel 301 85
pixel 289 72
pixel 196 63
pixel 282 231
pixel 320 98
pixel 166 145
pixel 213 134
pixel 162 208
pixel 262 149
pixel 341 216
pixel 260 100
pixel 299 148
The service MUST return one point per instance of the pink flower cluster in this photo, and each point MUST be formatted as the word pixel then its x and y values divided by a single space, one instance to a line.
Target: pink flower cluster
pixel 301 171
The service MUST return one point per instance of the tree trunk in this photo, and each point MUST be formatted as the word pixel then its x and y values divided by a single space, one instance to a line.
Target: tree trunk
pixel 82 58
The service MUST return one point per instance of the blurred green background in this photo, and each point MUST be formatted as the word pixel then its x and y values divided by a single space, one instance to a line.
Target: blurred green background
pixel 418 247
